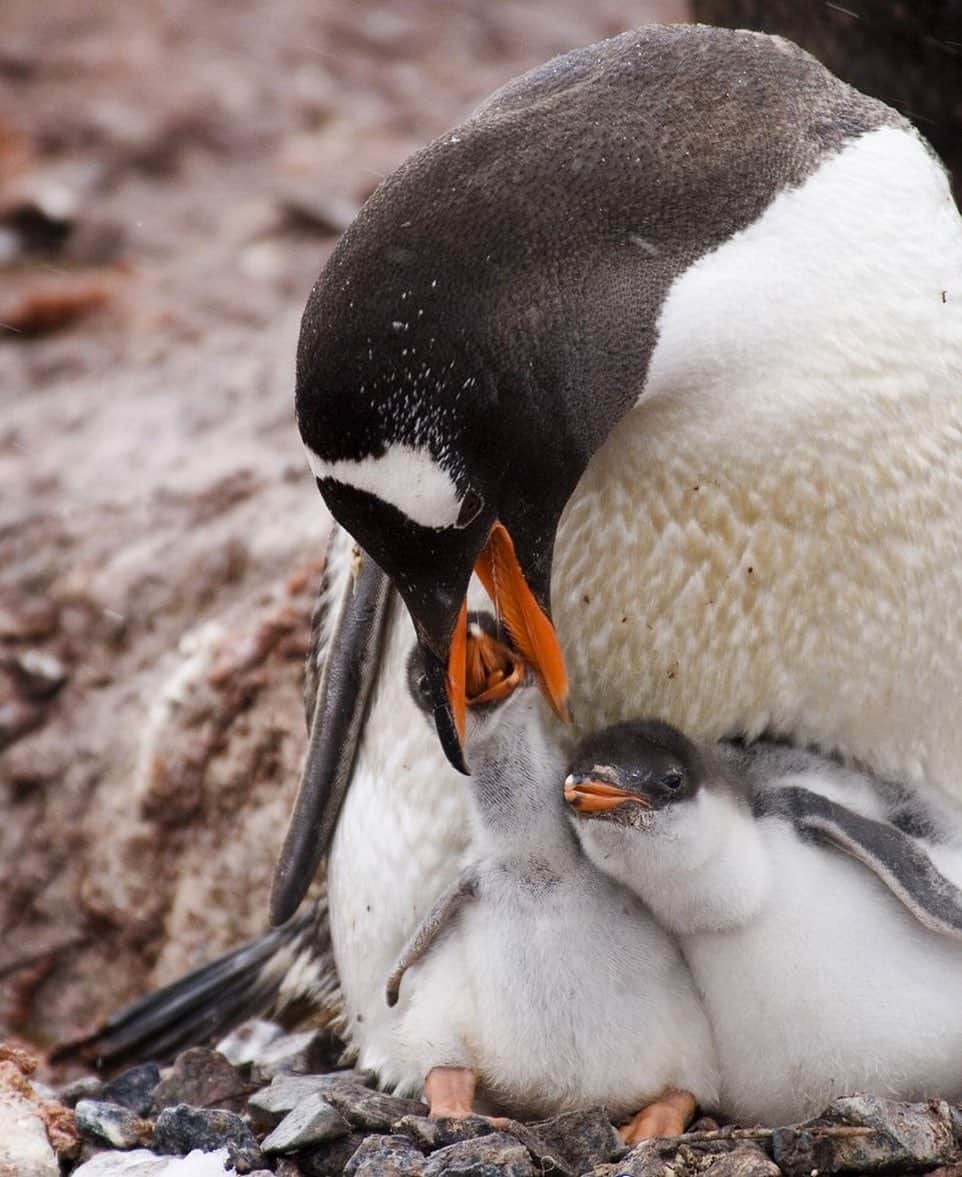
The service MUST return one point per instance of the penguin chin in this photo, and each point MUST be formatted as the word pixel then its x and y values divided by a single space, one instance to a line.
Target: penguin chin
pixel 630 816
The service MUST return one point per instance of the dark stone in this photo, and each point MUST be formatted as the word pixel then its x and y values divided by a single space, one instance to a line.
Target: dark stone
pixel 202 1078
pixel 862 1133
pixel 371 1110
pixel 429 1134
pixel 182 1128
pixel 134 1088
pixel 112 1124
pixel 386 1156
pixel 330 1160
pixel 581 1139
pixel 651 1158
pixel 494 1155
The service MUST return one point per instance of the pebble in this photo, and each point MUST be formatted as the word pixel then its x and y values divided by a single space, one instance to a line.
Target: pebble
pixel 180 1129
pixel 386 1156
pixel 201 1078
pixel 311 1122
pixel 580 1139
pixel 134 1088
pixel 271 1104
pixel 112 1123
pixel 372 1110
pixel 86 1087
pixel 903 1137
pixel 494 1155
pixel 25 1150
pixel 429 1134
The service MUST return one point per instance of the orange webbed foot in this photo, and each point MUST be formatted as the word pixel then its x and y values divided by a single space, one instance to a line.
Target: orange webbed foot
pixel 449 1093
pixel 669 1115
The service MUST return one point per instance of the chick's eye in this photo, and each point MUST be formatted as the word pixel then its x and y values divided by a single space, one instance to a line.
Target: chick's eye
pixel 471 505
pixel 673 778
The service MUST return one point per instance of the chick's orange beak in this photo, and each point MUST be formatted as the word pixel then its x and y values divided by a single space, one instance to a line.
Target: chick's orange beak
pixel 589 795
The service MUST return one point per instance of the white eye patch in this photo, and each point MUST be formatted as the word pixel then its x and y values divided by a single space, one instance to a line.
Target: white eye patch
pixel 406 477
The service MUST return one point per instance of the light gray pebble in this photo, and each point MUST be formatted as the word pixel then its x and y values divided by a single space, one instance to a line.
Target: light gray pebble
pixel 311 1122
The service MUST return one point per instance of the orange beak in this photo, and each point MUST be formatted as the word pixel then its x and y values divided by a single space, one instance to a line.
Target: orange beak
pixel 531 631
pixel 589 795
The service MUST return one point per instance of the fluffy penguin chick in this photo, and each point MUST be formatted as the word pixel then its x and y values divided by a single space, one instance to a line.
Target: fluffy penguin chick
pixel 536 974
pixel 822 972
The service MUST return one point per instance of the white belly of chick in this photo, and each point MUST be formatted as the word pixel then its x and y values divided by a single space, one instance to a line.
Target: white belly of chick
pixel 832 988
pixel 560 997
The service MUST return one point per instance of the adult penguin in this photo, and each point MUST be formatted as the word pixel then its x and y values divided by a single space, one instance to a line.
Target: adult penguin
pixel 665 341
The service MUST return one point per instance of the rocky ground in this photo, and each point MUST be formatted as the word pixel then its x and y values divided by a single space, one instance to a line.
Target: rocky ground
pixel 266 1102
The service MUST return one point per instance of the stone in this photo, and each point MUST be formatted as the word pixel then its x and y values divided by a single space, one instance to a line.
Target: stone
pixel 863 1133
pixel 651 1158
pixel 745 1161
pixel 494 1155
pixel 297 1054
pixel 581 1139
pixel 310 1123
pixel 246 1043
pixel 134 1088
pixel 386 1156
pixel 271 1104
pixel 201 1078
pixel 371 1110
pixel 430 1134
pixel 86 1087
pixel 112 1124
pixel 25 1150
pixel 331 1158
pixel 180 1129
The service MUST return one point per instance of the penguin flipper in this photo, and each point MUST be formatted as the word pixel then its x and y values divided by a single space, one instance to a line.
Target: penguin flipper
pixel 898 860
pixel 340 700
pixel 445 909
pixel 287 967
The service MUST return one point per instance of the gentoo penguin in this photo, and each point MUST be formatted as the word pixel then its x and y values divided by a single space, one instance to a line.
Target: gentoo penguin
pixel 665 340
pixel 822 972
pixel 497 978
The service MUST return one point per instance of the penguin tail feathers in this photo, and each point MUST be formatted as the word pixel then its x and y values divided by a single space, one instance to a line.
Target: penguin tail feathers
pixel 286 973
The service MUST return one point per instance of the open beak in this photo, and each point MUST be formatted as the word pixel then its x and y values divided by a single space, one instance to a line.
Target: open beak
pixel 440 618
pixel 588 794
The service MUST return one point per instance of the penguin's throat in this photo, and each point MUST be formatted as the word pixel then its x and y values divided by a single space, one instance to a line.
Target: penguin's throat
pixel 492 670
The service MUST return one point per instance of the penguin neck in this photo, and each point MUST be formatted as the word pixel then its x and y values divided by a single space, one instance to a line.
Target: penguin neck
pixel 707 869
pixel 517 789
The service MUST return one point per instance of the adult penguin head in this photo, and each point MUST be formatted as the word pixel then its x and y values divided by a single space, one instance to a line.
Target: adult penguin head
pixel 491 314
pixel 439 469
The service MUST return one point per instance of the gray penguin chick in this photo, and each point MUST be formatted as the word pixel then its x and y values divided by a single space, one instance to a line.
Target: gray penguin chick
pixel 535 975
pixel 823 972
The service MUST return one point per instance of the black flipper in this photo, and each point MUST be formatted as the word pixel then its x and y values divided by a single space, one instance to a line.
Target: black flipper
pixel 340 705
pixel 288 967
pixel 464 888
pixel 898 860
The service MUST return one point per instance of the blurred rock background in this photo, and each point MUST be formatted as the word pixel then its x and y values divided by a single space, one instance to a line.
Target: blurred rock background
pixel 173 175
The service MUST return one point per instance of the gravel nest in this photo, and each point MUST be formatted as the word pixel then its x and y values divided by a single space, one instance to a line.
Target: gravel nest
pixel 268 1102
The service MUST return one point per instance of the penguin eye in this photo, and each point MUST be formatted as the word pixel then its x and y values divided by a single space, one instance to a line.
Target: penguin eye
pixel 471 506
pixel 673 779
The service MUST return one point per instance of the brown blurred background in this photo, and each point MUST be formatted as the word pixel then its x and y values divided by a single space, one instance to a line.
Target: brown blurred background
pixel 172 177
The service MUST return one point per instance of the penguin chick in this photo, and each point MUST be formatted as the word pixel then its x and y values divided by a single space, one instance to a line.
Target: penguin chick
pixel 536 975
pixel 822 972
